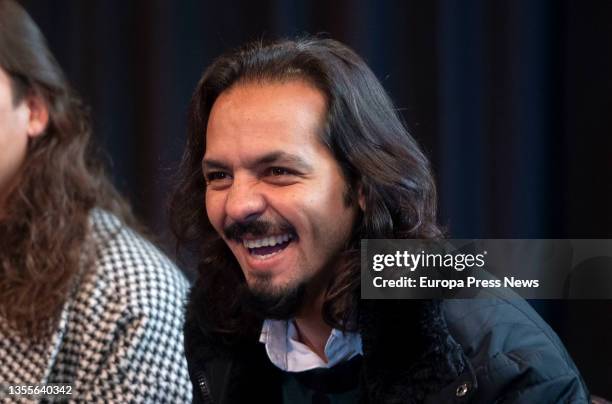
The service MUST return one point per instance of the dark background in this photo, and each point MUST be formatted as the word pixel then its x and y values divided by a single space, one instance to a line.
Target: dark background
pixel 512 101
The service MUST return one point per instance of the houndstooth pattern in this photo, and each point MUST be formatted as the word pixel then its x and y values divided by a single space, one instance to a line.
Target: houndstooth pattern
pixel 119 338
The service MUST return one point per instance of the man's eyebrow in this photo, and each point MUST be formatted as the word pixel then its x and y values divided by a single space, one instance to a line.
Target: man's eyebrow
pixel 208 164
pixel 282 157
pixel 269 158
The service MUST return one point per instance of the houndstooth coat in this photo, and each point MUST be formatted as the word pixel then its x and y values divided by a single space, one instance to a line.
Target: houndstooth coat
pixel 119 338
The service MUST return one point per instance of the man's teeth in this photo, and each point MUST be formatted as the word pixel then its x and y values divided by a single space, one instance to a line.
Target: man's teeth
pixel 263 257
pixel 266 241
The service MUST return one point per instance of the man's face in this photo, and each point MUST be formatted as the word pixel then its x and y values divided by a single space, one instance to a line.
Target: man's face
pixel 275 193
pixel 13 135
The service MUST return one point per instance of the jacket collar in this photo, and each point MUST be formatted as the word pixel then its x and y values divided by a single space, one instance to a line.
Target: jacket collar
pixel 409 353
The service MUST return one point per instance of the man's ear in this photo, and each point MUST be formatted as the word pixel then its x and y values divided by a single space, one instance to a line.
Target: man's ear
pixel 361 197
pixel 38 115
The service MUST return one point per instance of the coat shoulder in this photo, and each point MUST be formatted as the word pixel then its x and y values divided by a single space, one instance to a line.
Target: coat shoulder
pixel 512 350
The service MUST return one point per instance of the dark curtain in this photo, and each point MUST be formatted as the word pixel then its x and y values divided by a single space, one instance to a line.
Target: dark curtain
pixel 512 101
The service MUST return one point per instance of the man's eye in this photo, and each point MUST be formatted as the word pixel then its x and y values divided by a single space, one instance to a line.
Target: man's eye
pixel 278 171
pixel 216 176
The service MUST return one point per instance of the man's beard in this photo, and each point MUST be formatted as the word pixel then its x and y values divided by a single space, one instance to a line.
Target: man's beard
pixel 269 302
pixel 261 297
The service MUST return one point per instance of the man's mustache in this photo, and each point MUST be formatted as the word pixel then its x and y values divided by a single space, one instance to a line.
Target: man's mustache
pixel 257 228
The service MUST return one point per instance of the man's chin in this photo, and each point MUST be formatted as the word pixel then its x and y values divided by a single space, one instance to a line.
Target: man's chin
pixel 272 302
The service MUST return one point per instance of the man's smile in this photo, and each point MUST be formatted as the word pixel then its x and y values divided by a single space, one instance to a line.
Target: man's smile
pixel 265 247
pixel 271 254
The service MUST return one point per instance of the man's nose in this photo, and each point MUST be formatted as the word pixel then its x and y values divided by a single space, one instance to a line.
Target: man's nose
pixel 244 202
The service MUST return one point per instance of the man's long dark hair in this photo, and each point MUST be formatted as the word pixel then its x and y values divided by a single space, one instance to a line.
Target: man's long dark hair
pixel 45 217
pixel 366 136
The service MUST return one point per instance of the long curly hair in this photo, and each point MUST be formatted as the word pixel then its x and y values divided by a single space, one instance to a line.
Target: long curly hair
pixel 366 136
pixel 45 216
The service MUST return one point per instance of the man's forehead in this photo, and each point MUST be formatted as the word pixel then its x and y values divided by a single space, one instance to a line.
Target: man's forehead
pixel 261 146
pixel 261 123
pixel 270 108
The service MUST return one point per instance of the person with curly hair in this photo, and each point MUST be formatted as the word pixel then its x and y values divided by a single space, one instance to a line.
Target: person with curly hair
pixel 85 299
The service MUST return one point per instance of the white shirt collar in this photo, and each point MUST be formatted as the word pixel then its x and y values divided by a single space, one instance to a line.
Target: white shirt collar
pixel 287 353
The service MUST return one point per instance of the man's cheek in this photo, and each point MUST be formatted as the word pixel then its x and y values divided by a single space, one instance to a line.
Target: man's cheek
pixel 213 214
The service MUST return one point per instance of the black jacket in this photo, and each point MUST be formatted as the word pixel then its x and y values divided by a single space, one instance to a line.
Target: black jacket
pixel 488 350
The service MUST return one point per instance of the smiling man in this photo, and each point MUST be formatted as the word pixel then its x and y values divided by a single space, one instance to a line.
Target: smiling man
pixel 294 154
pixel 275 193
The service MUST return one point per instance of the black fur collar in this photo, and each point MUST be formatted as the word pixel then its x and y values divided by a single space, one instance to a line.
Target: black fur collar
pixel 408 351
